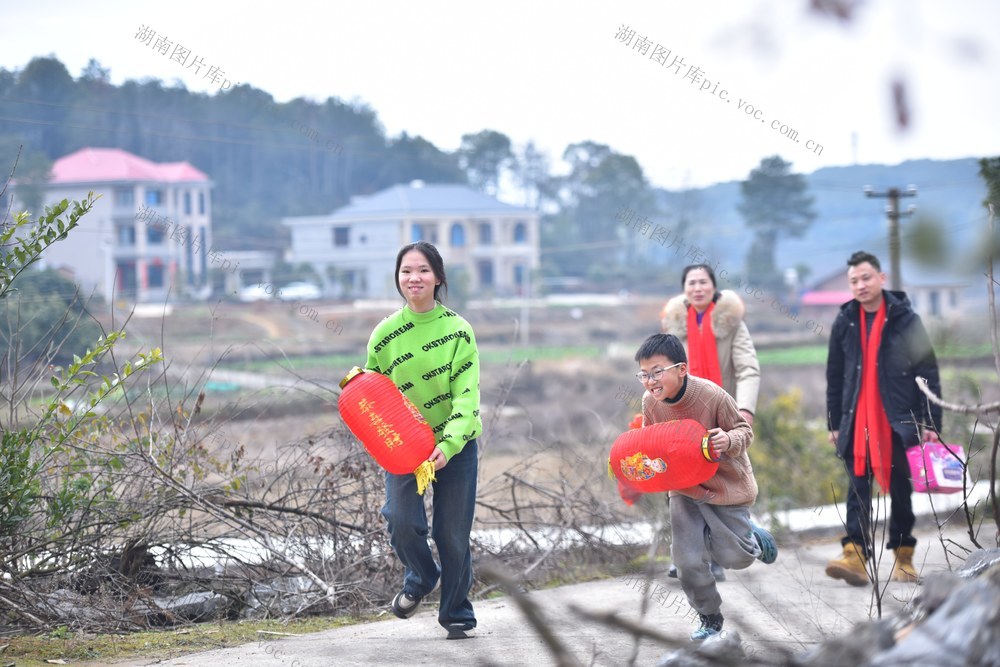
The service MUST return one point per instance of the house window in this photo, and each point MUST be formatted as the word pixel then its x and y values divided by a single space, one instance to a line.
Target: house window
pixel 520 233
pixel 201 203
pixel 341 236
pixel 485 233
pixel 425 232
pixel 126 235
pixel 187 203
pixel 485 273
pixel 155 275
pixel 953 298
pixel 126 278
pixel 935 303
pixel 457 235
pixel 154 235
pixel 124 197
pixel 154 197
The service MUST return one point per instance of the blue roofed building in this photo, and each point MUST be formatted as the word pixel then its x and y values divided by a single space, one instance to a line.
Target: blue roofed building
pixel 487 245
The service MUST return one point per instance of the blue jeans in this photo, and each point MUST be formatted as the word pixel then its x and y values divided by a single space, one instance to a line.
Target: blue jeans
pixel 454 507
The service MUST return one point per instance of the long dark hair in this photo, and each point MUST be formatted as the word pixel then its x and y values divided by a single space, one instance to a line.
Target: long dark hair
pixel 433 258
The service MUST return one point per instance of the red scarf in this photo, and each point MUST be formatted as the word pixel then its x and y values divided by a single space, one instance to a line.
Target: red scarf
pixel 703 355
pixel 872 433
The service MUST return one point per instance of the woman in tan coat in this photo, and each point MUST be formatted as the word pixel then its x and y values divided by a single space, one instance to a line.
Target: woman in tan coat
pixel 710 324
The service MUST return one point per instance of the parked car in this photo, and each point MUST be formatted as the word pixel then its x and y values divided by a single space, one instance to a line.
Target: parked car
pixel 252 293
pixel 299 291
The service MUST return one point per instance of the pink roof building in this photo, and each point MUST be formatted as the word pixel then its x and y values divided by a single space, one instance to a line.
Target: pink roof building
pixel 149 233
pixel 105 165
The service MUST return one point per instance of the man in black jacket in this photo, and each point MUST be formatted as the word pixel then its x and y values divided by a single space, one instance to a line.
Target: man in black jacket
pixel 875 415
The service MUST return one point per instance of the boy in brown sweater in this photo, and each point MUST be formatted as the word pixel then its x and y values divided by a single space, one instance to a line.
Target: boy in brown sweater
pixel 711 521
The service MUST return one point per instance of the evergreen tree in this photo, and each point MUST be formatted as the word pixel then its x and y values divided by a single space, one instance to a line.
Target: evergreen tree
pixel 601 183
pixel 483 156
pixel 775 204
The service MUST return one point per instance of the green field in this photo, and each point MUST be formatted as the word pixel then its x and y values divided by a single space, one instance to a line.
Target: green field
pixel 816 354
pixel 343 362
pixel 788 356
pixel 785 356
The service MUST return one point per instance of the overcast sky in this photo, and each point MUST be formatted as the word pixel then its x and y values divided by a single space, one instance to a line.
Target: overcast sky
pixel 554 72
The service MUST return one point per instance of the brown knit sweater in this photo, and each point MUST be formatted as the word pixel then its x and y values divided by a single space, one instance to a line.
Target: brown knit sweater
pixel 710 406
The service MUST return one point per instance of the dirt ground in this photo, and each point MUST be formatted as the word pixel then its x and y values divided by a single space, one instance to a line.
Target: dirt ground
pixel 787 607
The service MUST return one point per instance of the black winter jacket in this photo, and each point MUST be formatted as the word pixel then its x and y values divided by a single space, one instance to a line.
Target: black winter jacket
pixel 905 353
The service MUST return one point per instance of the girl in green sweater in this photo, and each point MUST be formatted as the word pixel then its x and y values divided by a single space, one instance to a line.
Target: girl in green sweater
pixel 430 353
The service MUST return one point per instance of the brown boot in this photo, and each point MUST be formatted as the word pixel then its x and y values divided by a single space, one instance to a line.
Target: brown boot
pixel 850 567
pixel 902 569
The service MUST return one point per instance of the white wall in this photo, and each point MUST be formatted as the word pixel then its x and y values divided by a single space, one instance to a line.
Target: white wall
pixel 86 251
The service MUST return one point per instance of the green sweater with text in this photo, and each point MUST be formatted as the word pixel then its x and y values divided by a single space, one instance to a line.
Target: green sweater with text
pixel 433 359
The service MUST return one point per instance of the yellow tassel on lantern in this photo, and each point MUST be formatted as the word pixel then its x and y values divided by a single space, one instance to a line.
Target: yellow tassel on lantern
pixel 425 475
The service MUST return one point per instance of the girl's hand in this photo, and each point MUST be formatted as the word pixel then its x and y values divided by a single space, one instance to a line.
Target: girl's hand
pixel 438 458
pixel 720 442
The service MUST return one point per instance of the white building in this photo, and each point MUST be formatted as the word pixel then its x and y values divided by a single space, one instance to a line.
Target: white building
pixel 489 245
pixel 148 233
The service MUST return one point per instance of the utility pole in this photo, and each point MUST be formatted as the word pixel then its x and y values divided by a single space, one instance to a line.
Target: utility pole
pixel 893 214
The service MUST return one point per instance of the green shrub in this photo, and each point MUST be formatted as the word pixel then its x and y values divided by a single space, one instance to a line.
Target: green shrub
pixel 793 460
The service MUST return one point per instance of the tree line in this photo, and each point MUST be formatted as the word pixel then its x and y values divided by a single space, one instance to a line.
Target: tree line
pixel 269 160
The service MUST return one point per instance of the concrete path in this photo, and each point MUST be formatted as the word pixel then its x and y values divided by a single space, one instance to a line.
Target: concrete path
pixel 788 606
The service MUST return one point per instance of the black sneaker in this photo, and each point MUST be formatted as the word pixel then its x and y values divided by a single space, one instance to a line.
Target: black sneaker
pixel 711 625
pixel 404 605
pixel 459 632
pixel 672 571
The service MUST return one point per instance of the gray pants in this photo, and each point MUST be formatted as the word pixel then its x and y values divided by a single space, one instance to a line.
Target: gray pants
pixel 702 533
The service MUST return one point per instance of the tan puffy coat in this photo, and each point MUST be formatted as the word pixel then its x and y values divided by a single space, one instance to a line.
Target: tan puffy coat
pixel 737 355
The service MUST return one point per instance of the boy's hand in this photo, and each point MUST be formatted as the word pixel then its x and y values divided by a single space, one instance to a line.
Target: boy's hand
pixel 719 441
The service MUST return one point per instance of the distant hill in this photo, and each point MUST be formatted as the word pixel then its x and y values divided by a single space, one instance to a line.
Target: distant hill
pixel 950 192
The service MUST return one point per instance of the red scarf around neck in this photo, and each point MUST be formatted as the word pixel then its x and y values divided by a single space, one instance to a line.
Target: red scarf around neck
pixel 703 355
pixel 872 433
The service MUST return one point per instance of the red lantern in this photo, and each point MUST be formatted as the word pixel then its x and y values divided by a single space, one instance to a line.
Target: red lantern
pixel 663 457
pixel 627 494
pixel 388 424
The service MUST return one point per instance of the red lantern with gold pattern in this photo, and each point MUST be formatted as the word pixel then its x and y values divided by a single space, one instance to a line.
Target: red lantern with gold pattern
pixel 663 457
pixel 387 424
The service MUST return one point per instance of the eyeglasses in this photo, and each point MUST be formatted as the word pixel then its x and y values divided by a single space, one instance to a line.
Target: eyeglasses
pixel 655 375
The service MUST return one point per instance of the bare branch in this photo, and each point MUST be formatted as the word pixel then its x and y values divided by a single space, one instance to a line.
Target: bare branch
pixel 991 291
pixel 635 629
pixel 531 612
pixel 978 409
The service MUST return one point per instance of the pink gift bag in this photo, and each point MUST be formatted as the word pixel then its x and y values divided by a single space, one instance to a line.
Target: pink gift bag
pixel 935 469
